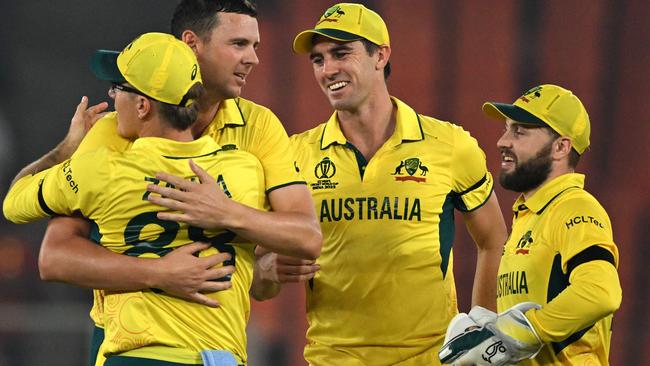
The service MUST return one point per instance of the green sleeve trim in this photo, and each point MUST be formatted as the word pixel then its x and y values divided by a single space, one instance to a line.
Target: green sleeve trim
pixel 301 182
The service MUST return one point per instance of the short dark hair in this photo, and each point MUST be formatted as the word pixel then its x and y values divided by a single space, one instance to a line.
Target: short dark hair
pixel 178 117
pixel 574 157
pixel 372 48
pixel 200 16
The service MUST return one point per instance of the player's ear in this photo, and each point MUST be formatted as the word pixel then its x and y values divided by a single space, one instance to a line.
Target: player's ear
pixel 561 148
pixel 143 106
pixel 191 39
pixel 384 55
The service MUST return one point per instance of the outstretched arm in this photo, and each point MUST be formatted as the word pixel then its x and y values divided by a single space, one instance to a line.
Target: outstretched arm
pixel 68 256
pixel 488 229
pixel 290 229
pixel 83 119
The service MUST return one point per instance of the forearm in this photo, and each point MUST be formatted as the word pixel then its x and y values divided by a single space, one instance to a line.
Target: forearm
pixel 289 233
pixel 485 278
pixel 488 229
pixel 76 260
pixel 57 155
pixel 594 293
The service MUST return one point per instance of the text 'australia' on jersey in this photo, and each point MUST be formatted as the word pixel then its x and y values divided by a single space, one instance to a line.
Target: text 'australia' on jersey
pixel 388 227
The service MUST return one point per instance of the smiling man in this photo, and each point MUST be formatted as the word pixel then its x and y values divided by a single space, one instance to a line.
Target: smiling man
pixel 557 286
pixel 224 35
pixel 385 181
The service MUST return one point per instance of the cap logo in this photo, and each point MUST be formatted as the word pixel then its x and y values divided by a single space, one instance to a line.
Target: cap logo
pixel 334 10
pixel 531 94
pixel 194 71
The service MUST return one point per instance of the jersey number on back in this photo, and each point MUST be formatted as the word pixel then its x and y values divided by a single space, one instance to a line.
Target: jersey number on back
pixel 171 228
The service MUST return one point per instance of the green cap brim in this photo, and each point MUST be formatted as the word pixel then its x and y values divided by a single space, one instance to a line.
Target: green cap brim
pixel 104 66
pixel 304 40
pixel 508 111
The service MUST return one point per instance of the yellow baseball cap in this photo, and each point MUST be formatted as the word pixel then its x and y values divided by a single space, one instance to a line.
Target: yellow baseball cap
pixel 345 22
pixel 548 105
pixel 156 64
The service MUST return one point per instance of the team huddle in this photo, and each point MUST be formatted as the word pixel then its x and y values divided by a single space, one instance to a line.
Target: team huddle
pixel 199 200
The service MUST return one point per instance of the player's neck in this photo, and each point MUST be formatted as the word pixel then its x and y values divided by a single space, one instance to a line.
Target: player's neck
pixel 555 172
pixel 163 130
pixel 369 126
pixel 208 108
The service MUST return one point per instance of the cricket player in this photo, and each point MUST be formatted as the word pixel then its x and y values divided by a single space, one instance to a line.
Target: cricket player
pixel 386 181
pixel 558 286
pixel 156 80
pixel 224 36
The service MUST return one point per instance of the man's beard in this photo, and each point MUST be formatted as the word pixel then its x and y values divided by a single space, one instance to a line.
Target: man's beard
pixel 529 174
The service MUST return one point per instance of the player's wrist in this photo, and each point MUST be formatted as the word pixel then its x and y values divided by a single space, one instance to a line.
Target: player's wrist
pixel 233 217
pixel 153 273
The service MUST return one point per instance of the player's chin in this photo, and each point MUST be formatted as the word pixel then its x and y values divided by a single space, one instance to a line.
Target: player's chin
pixel 234 91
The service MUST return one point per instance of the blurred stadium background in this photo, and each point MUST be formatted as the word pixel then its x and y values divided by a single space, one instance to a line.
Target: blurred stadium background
pixel 448 58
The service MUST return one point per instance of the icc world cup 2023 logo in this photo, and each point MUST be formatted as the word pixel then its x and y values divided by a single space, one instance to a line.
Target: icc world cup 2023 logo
pixel 325 169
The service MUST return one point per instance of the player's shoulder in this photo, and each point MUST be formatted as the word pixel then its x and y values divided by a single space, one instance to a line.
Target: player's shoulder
pixel 444 131
pixel 250 110
pixel 311 136
pixel 232 153
pixel 97 156
pixel 578 202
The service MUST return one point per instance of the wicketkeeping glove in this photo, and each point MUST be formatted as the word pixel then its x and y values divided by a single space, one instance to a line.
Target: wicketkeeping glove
pixel 505 341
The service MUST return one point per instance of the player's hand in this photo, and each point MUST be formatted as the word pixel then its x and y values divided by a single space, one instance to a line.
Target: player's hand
pixel 508 339
pixel 203 204
pixel 482 316
pixel 83 119
pixel 284 269
pixel 189 277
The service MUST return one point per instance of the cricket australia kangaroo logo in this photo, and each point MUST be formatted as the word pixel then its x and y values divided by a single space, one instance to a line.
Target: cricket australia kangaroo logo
pixel 332 14
pixel 411 166
pixel 523 247
pixel 532 94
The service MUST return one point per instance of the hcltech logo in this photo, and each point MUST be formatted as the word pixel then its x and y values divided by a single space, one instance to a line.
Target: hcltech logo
pixel 411 166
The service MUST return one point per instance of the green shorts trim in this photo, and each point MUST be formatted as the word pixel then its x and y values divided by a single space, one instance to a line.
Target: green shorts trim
pixel 95 342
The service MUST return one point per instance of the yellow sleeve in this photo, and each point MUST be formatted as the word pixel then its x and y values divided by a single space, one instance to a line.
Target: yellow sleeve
pixel 297 149
pixel 103 134
pixel 594 292
pixel 584 239
pixel 22 204
pixel 274 151
pixel 472 182
pixel 581 223
pixel 76 185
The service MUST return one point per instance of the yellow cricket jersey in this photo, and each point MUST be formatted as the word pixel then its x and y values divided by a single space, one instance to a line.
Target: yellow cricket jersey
pixel 385 291
pixel 238 122
pixel 110 189
pixel 560 251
